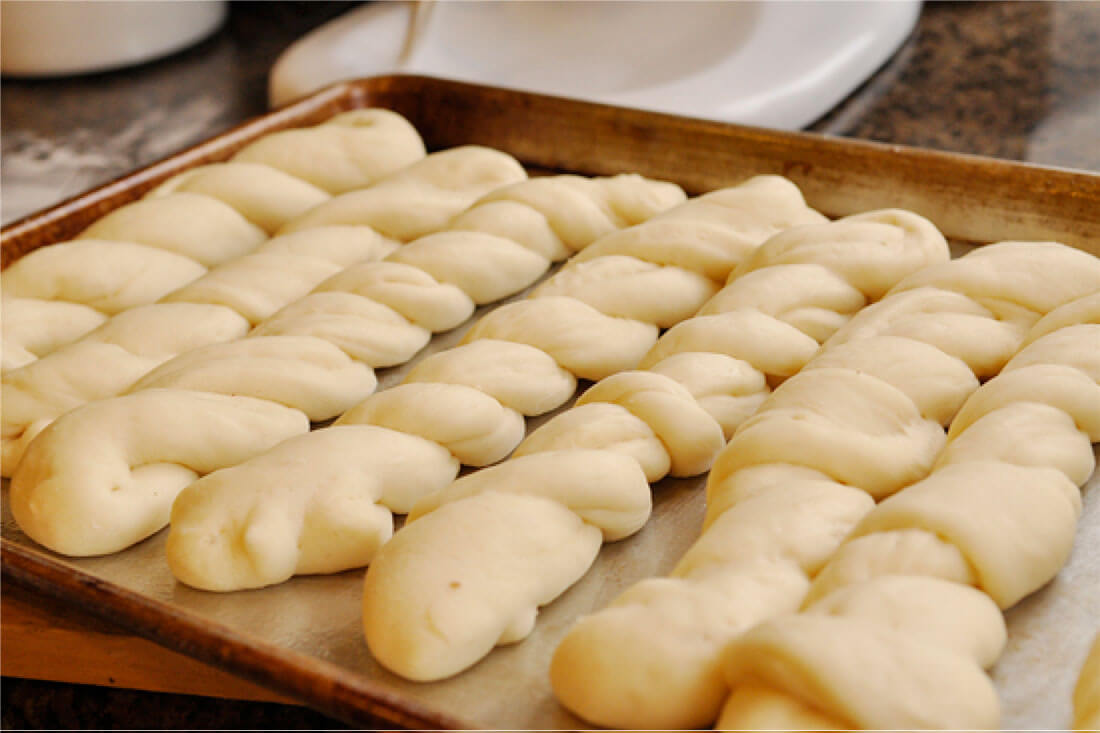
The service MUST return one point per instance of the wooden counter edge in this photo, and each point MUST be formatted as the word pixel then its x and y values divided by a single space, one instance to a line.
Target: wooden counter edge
pixel 42 639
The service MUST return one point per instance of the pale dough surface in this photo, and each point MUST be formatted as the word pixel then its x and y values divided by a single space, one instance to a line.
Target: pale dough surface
pixel 993 522
pixel 649 420
pixel 205 216
pixel 229 530
pixel 867 676
pixel 868 413
pixel 104 475
pixel 349 151
pixel 105 363
pixel 535 536
pixel 316 354
pixel 338 347
pixel 33 327
pixel 107 276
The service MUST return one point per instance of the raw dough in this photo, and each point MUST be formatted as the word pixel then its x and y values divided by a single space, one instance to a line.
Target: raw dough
pixel 205 216
pixel 645 419
pixel 104 475
pixel 894 374
pixel 992 523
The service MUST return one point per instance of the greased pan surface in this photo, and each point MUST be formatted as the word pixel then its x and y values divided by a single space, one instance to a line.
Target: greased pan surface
pixel 303 638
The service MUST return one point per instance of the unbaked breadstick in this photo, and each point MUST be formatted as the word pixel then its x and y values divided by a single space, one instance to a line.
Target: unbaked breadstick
pixel 33 327
pixel 318 353
pixel 246 290
pixel 997 512
pixel 381 313
pixel 861 420
pixel 132 455
pixel 652 421
pixel 470 401
pixel 198 219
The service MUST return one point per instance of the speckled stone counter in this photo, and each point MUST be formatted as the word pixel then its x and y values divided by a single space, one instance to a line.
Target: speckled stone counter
pixel 1011 80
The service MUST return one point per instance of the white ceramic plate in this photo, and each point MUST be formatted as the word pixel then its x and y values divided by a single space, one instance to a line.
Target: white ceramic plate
pixel 775 64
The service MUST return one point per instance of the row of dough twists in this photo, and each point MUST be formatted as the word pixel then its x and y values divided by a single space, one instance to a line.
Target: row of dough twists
pixel 916 587
pixel 322 502
pixel 315 356
pixel 859 423
pixel 434 605
pixel 197 220
pixel 252 290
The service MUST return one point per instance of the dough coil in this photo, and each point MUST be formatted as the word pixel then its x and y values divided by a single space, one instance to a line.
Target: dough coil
pixel 859 422
pixel 194 221
pixel 468 403
pixel 318 354
pixel 223 304
pixel 634 427
pixel 1000 507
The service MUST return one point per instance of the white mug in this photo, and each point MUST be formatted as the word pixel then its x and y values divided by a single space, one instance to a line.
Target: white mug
pixel 55 38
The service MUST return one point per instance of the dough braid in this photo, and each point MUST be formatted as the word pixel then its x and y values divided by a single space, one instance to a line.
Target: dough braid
pixel 318 353
pixel 1086 695
pixel 861 420
pixel 196 220
pixel 464 405
pixel 220 306
pixel 913 593
pixel 107 473
pixel 595 461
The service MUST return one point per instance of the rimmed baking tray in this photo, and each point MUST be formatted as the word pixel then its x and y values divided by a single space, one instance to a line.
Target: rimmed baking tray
pixel 303 638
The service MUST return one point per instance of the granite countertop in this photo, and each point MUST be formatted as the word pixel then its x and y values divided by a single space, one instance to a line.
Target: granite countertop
pixel 1012 80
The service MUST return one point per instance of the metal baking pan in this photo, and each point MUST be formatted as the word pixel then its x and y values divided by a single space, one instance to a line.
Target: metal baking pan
pixel 303 639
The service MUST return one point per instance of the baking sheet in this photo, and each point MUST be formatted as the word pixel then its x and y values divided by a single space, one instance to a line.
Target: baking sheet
pixel 319 616
pixel 304 637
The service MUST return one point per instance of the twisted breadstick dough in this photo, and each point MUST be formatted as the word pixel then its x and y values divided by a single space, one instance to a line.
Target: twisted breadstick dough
pixel 349 317
pixel 1086 694
pixel 997 512
pixel 649 418
pixel 313 354
pixel 198 219
pixel 33 327
pixel 470 402
pixel 471 399
pixel 316 499
pixel 651 659
pixel 255 286
pixel 104 476
pixel 103 364
pixel 872 405
pixel 345 153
